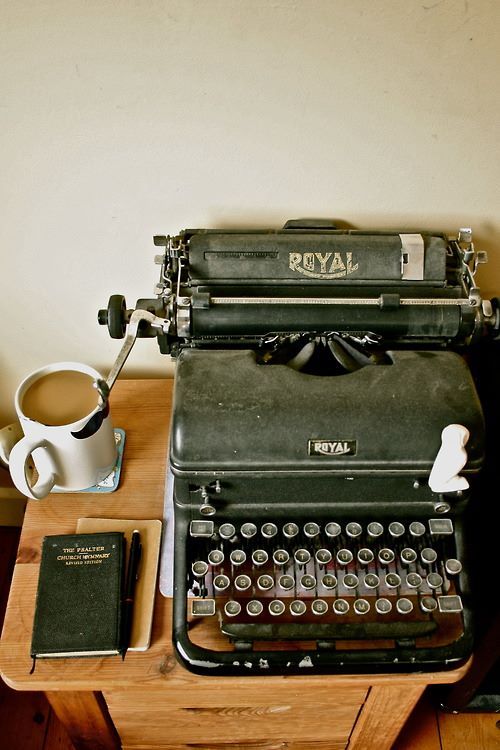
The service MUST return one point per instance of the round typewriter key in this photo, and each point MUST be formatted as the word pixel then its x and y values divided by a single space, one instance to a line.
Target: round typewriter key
pixel 297 607
pixel 232 608
pixel 396 529
pixel 290 530
pixel 319 607
pixel 302 556
pixel 383 606
pixel 323 556
pixel 392 580
pixel 248 530
pixel 311 529
pixel 329 581
pixel 361 606
pixel 408 555
pixel 414 580
pixel 199 568
pixel 286 582
pixel 417 528
pixel 276 607
pixel 365 556
pixel 243 582
pixel 281 556
pixel 344 556
pixel 353 529
pixel 227 531
pixel 215 557
pixel 308 582
pixel 428 604
pixel 268 530
pixel 434 580
pixel 350 581
pixel 404 606
pixel 371 581
pixel 386 556
pixel 254 608
pixel 259 557
pixel 332 529
pixel 453 567
pixel 428 555
pixel 341 606
pixel 265 582
pixel 375 529
pixel 221 583
pixel 237 557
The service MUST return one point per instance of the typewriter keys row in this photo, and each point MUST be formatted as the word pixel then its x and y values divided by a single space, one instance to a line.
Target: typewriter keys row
pixel 323 557
pixel 320 607
pixel 329 581
pixel 332 529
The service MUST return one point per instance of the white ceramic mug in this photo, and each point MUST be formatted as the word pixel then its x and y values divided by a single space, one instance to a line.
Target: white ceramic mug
pixel 68 456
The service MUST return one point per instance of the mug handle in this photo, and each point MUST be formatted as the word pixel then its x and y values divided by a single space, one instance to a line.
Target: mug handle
pixel 18 467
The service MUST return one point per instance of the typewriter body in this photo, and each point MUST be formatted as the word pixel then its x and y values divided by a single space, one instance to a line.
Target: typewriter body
pixel 327 438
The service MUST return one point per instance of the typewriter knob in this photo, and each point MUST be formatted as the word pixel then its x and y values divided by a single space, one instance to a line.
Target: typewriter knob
pixel 206 509
pixel 492 316
pixel 115 316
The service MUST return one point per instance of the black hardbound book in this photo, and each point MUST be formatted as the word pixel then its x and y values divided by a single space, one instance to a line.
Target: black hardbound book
pixel 78 604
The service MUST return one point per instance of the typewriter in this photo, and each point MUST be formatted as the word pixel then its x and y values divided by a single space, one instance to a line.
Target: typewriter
pixel 327 438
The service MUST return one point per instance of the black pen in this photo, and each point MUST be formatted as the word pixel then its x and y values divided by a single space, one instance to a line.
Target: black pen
pixel 128 599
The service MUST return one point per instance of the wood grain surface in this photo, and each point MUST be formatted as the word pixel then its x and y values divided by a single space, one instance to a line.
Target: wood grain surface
pixel 250 719
pixel 154 678
pixel 466 731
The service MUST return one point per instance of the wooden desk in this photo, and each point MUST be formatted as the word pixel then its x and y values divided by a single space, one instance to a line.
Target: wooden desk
pixel 153 701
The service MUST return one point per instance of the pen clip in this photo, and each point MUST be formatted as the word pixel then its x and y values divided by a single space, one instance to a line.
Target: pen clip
pixel 139 562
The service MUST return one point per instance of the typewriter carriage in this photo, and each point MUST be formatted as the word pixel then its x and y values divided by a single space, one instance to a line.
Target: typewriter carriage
pixel 224 287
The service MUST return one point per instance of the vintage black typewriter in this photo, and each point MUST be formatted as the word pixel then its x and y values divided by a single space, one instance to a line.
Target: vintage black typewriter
pixel 327 437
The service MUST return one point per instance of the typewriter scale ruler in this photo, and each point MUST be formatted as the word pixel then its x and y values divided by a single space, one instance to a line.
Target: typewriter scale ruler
pixel 365 301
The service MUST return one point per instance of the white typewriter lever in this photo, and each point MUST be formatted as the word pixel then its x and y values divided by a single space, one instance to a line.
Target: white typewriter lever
pixel 450 460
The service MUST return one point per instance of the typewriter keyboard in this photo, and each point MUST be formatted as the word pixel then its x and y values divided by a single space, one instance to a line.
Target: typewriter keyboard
pixel 338 579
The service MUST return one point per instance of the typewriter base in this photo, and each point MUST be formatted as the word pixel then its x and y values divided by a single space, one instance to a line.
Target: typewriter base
pixel 294 657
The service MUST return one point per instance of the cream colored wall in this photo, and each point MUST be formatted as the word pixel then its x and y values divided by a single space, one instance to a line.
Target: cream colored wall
pixel 124 119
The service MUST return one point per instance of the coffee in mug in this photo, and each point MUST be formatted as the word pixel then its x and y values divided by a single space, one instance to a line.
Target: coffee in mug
pixel 60 398
pixel 67 431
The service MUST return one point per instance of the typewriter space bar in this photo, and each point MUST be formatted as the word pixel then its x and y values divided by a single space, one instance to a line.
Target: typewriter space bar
pixel 291 631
